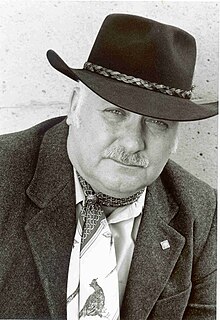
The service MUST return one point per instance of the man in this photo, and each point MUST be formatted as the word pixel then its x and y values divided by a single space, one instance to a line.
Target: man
pixel 95 221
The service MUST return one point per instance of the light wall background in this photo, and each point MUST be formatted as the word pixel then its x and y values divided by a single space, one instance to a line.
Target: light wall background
pixel 32 91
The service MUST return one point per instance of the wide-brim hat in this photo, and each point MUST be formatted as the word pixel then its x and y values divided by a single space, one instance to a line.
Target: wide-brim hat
pixel 143 66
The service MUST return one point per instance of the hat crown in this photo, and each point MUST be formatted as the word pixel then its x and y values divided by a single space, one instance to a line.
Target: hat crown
pixel 143 66
pixel 145 49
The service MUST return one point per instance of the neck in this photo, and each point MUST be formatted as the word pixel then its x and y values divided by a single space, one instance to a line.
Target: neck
pixel 110 193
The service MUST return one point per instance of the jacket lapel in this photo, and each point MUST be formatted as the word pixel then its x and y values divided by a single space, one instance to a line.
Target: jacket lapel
pixel 151 264
pixel 51 221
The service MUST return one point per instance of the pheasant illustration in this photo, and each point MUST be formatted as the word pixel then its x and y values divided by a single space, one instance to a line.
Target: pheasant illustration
pixel 94 305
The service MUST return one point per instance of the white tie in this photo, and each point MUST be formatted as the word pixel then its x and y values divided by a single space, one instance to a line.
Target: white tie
pixel 93 287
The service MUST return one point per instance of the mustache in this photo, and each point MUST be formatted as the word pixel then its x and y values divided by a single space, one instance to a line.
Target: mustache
pixel 119 154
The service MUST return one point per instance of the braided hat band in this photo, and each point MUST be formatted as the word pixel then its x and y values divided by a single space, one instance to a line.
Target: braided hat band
pixel 137 81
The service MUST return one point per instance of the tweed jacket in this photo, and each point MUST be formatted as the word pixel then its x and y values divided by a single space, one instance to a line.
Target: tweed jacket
pixel 37 225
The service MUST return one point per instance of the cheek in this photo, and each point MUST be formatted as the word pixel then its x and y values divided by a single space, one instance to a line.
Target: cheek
pixel 91 141
pixel 160 150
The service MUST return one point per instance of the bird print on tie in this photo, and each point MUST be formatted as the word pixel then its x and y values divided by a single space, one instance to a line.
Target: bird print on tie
pixel 94 305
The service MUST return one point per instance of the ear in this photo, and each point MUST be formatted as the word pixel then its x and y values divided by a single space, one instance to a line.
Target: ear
pixel 74 100
pixel 175 143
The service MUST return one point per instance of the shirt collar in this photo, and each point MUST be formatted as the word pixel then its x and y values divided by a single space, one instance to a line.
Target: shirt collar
pixel 127 212
pixel 80 197
pixel 119 214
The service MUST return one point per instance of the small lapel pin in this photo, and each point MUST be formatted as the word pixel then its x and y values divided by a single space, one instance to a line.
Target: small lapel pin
pixel 165 244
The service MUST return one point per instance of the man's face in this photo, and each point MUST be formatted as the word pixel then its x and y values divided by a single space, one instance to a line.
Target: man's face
pixel 118 152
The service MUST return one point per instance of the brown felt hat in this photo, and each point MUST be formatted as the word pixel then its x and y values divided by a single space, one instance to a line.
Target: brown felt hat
pixel 143 66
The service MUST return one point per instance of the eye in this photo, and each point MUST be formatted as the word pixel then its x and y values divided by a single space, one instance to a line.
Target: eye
pixel 114 114
pixel 156 124
pixel 115 111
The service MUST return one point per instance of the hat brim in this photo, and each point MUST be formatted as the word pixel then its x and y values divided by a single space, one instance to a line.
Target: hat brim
pixel 136 99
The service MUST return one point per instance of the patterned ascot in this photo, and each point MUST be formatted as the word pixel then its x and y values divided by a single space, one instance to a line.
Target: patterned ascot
pixel 93 287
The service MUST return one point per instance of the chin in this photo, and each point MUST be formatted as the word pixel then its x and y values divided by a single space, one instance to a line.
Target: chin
pixel 121 188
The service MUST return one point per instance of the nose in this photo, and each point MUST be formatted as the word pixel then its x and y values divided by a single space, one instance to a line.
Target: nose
pixel 133 136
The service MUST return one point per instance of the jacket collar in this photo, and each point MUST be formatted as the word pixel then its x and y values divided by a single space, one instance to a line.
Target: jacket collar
pixel 51 223
pixel 53 170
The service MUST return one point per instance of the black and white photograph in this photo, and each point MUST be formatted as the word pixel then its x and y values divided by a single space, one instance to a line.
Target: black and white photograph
pixel 108 160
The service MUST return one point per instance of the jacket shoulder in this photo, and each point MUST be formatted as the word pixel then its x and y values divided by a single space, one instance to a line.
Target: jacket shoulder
pixel 196 218
pixel 12 140
pixel 19 151
pixel 188 191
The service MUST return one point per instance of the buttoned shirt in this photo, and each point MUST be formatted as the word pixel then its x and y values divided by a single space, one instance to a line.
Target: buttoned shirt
pixel 124 223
